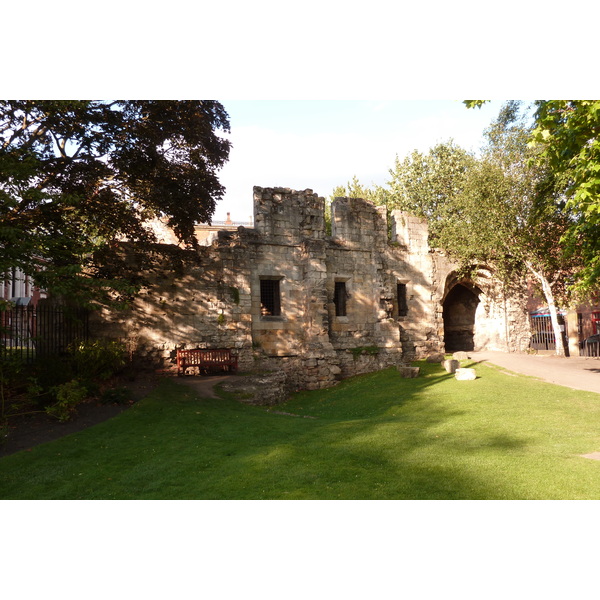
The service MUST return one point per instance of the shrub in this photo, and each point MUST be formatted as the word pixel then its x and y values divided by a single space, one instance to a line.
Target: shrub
pixel 68 395
pixel 12 379
pixel 47 374
pixel 119 395
pixel 98 359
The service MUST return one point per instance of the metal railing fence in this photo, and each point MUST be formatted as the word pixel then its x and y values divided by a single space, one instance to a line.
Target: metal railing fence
pixel 542 337
pixel 590 347
pixel 30 332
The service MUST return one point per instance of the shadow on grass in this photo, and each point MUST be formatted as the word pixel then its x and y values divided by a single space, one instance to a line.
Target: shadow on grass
pixel 375 436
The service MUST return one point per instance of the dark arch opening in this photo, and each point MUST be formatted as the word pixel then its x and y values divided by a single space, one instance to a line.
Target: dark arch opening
pixel 460 306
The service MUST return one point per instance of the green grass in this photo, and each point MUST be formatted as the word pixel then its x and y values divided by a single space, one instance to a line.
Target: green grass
pixel 375 436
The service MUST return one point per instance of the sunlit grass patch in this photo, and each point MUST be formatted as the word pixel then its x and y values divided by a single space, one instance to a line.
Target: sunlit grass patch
pixel 376 436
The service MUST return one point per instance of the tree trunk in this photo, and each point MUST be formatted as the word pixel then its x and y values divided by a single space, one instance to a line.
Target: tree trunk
pixel 558 337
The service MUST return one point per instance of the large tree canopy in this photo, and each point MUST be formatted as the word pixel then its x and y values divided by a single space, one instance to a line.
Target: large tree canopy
pixel 568 134
pixel 422 184
pixel 355 189
pixel 77 176
pixel 566 137
pixel 512 215
pixel 427 184
pixel 505 208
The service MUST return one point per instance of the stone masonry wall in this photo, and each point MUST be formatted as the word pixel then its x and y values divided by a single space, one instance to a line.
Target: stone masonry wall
pixel 215 301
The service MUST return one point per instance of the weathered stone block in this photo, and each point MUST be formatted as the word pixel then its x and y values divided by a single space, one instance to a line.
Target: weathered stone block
pixel 460 356
pixel 465 374
pixel 451 365
pixel 435 358
pixel 408 372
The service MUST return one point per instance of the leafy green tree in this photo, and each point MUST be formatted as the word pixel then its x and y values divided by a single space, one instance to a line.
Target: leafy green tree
pixel 567 134
pixel 77 177
pixel 511 214
pixel 354 189
pixel 566 137
pixel 423 184
pixel 426 184
pixel 505 208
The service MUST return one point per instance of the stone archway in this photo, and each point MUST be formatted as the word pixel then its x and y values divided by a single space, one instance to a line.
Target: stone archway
pixel 459 310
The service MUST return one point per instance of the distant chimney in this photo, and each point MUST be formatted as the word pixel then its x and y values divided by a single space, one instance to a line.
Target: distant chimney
pixel 228 221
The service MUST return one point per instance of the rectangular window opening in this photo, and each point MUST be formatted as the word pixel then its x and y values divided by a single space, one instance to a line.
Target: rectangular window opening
pixel 270 299
pixel 339 298
pixel 402 300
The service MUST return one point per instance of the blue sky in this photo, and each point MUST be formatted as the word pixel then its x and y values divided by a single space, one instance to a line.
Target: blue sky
pixel 319 144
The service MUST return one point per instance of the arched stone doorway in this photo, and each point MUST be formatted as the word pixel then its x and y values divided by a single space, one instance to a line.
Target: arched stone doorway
pixel 459 311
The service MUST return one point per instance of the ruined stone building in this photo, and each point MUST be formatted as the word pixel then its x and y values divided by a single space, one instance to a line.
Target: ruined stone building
pixel 287 296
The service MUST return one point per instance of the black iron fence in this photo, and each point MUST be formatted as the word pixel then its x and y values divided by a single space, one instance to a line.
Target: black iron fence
pixel 32 332
pixel 590 346
pixel 542 337
pixel 543 334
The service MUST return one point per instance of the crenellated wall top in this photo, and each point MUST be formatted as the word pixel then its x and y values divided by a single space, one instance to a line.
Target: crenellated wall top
pixel 287 216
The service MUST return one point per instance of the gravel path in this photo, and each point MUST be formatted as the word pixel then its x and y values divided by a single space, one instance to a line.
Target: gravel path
pixel 203 385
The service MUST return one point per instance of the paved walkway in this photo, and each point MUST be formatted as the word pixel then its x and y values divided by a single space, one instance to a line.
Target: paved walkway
pixel 576 372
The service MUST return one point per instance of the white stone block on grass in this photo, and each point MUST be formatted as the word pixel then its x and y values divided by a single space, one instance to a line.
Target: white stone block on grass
pixel 465 374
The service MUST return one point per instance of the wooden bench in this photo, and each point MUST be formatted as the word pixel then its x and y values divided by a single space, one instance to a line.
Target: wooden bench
pixel 207 361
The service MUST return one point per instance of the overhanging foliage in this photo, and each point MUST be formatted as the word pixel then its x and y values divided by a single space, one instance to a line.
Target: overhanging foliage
pixel 76 177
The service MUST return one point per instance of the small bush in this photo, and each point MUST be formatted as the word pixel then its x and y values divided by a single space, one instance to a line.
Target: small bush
pixel 13 380
pixel 47 375
pixel 12 369
pixel 119 395
pixel 98 359
pixel 69 395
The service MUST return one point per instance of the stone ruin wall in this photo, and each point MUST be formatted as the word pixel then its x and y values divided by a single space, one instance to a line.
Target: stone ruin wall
pixel 215 302
pixel 501 318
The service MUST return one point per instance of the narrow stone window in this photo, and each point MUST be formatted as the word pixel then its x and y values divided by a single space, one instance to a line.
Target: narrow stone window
pixel 402 300
pixel 339 298
pixel 270 299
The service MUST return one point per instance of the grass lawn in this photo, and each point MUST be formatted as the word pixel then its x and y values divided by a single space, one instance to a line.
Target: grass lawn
pixel 375 436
